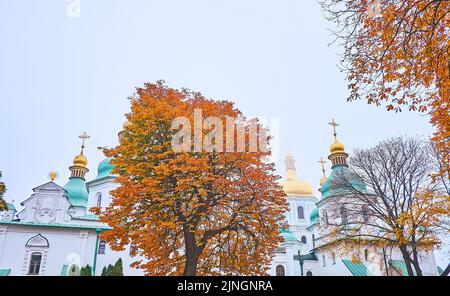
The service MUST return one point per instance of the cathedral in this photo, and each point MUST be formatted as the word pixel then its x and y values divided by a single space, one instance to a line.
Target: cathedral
pixel 55 230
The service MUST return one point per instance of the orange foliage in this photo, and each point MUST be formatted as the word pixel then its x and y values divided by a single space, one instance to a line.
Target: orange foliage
pixel 398 52
pixel 190 213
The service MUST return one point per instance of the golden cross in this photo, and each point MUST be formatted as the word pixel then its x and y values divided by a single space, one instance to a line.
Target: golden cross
pixel 323 162
pixel 53 175
pixel 84 137
pixel 334 124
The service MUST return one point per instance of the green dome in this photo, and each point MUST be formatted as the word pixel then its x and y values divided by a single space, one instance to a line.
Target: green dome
pixel 287 235
pixel 339 171
pixel 314 217
pixel 77 192
pixel 104 168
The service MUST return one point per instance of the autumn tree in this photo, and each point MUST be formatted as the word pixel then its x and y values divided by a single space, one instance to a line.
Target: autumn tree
pixel 399 207
pixel 198 211
pixel 3 205
pixel 397 53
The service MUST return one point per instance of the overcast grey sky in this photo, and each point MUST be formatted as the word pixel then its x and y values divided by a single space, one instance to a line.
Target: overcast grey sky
pixel 60 76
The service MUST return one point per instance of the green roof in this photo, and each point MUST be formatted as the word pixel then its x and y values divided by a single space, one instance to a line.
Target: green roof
pixel 10 206
pixel 4 272
pixel 56 225
pixel 341 172
pixel 310 256
pixel 104 169
pixel 440 270
pixel 400 267
pixel 64 270
pixel 357 269
pixel 287 235
pixel 77 192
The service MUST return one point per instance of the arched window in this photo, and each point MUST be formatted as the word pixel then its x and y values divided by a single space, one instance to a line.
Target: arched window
pixel 99 200
pixel 365 213
pixel 324 261
pixel 303 239
pixel 333 258
pixel 35 263
pixel 309 273
pixel 280 270
pixel 366 255
pixel 314 241
pixel 300 212
pixel 102 247
pixel 344 215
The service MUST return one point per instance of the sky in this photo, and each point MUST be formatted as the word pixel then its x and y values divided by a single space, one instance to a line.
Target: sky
pixel 65 70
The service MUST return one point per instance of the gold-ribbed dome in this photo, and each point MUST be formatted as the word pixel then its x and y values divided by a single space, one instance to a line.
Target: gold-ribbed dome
pixel 80 160
pixel 292 184
pixel 337 147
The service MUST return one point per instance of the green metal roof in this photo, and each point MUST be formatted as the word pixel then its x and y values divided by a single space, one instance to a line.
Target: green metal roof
pixel 77 192
pixel 440 270
pixel 64 270
pixel 310 256
pixel 341 172
pixel 104 170
pixel 10 206
pixel 287 235
pixel 4 272
pixel 400 267
pixel 56 225
pixel 357 269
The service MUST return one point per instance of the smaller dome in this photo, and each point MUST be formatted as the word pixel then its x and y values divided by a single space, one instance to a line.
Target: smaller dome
pixel 287 235
pixel 337 147
pixel 80 160
pixel 104 168
pixel 324 178
pixel 314 217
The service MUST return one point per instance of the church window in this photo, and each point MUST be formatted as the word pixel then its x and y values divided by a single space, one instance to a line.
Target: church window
pixel 102 247
pixel 99 200
pixel 280 270
pixel 35 263
pixel 303 239
pixel 333 258
pixel 344 215
pixel 300 212
pixel 314 241
pixel 366 255
pixel 132 249
pixel 309 273
pixel 324 261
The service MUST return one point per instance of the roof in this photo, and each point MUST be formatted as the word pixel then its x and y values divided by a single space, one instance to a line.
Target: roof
pixel 342 172
pixel 440 270
pixel 311 256
pixel 4 272
pixel 77 192
pixel 57 225
pixel 104 170
pixel 357 268
pixel 400 267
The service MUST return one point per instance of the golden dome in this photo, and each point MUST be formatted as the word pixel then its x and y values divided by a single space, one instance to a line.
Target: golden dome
pixel 292 184
pixel 324 178
pixel 80 160
pixel 337 147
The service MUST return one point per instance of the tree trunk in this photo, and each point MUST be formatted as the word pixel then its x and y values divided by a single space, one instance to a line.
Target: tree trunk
pixel 407 259
pixel 415 262
pixel 192 253
pixel 446 271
